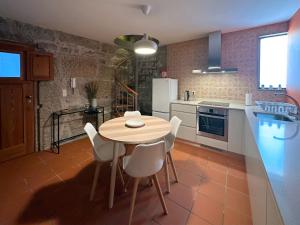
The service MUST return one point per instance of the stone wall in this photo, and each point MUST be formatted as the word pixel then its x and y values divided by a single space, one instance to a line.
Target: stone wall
pixel 239 50
pixel 74 56
pixel 149 67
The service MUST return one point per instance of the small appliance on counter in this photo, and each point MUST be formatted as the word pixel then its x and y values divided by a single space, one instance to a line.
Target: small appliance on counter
pixel 186 96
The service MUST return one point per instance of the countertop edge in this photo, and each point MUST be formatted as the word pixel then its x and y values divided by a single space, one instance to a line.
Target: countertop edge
pixel 232 105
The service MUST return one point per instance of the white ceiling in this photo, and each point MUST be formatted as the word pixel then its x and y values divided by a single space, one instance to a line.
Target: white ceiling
pixel 169 21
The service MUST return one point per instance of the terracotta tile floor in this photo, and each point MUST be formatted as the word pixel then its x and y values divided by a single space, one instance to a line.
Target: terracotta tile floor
pixel 46 188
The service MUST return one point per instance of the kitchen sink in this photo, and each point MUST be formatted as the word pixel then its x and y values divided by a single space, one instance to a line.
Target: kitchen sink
pixel 272 116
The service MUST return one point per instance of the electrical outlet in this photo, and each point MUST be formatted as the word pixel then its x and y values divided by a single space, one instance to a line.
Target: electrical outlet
pixel 64 92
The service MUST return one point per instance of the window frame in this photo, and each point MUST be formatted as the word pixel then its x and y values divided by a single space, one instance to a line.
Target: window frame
pixel 22 64
pixel 258 61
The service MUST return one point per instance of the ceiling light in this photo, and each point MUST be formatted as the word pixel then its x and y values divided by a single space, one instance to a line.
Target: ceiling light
pixel 145 46
pixel 196 71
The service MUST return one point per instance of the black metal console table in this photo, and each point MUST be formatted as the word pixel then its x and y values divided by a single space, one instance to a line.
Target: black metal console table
pixel 88 114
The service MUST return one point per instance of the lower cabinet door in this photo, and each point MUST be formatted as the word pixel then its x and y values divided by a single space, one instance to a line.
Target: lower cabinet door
pixel 187 133
pixel 273 215
pixel 236 131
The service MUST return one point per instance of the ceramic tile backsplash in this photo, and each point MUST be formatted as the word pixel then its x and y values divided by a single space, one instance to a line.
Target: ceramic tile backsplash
pixel 239 49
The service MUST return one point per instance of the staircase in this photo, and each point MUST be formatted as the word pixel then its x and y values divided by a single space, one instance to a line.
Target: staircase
pixel 125 99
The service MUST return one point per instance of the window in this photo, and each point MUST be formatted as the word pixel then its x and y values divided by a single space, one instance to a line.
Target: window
pixel 273 61
pixel 10 65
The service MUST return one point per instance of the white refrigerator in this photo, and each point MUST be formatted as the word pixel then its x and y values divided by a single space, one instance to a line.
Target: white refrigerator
pixel 164 91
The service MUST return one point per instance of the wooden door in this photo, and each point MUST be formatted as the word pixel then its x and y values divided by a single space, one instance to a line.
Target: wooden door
pixel 16 119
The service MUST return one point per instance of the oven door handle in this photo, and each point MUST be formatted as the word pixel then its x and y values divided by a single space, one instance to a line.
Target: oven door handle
pixel 211 116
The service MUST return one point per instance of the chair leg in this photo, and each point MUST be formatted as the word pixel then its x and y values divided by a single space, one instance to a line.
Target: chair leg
pixel 150 182
pixel 167 174
pixel 161 197
pixel 173 166
pixel 121 177
pixel 135 187
pixel 96 175
pixel 127 182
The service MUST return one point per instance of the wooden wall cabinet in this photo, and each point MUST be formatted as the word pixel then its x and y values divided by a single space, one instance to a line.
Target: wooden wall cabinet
pixel 40 66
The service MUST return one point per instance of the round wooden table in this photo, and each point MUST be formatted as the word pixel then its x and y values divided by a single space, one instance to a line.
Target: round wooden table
pixel 155 129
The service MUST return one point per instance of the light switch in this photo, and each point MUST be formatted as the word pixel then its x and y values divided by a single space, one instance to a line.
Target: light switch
pixel 64 92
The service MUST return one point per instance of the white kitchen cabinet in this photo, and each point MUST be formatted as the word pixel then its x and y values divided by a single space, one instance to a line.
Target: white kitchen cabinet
pixel 183 108
pixel 263 205
pixel 187 113
pixel 187 133
pixel 188 119
pixel 212 142
pixel 273 215
pixel 256 179
pixel 236 120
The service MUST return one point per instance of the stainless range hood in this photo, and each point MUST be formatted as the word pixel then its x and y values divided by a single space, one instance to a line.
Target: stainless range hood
pixel 214 56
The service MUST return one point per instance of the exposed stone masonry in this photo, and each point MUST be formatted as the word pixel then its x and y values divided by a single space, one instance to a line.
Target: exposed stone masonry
pixel 149 67
pixel 74 56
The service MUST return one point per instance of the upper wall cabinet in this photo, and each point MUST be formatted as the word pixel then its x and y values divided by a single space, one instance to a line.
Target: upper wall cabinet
pixel 40 66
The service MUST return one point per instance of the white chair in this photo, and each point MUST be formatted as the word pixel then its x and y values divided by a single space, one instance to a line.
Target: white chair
pixel 170 139
pixel 132 114
pixel 146 160
pixel 103 152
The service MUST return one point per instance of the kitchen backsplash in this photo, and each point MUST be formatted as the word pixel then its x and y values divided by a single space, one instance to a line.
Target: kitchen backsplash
pixel 239 49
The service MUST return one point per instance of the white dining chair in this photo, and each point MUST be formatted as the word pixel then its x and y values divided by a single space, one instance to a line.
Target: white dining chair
pixel 146 160
pixel 103 152
pixel 132 114
pixel 170 139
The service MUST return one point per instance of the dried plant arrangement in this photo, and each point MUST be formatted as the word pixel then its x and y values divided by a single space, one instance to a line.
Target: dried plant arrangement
pixel 91 89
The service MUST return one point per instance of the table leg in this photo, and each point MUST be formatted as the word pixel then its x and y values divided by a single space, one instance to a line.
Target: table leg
pixel 113 174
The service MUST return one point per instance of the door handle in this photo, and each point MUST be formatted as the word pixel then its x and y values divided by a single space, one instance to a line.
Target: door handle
pixel 29 98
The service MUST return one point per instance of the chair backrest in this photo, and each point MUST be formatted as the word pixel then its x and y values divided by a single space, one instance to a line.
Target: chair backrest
pixel 175 123
pixel 132 114
pixel 146 160
pixel 95 139
pixel 170 139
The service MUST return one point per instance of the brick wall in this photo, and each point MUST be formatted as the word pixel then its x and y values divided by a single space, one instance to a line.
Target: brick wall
pixel 239 49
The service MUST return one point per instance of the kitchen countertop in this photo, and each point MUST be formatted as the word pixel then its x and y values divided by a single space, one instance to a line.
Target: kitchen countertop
pixel 278 143
pixel 232 104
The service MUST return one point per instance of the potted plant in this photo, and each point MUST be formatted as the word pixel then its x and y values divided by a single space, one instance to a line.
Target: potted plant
pixel 91 89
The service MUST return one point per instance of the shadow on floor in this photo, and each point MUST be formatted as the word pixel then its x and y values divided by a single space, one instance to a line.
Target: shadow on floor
pixel 67 202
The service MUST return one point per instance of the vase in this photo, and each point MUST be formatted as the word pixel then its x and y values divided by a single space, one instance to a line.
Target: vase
pixel 94 103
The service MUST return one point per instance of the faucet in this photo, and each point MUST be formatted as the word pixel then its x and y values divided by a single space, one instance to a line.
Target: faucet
pixel 296 115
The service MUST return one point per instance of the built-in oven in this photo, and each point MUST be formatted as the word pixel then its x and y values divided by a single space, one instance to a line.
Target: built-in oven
pixel 212 122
